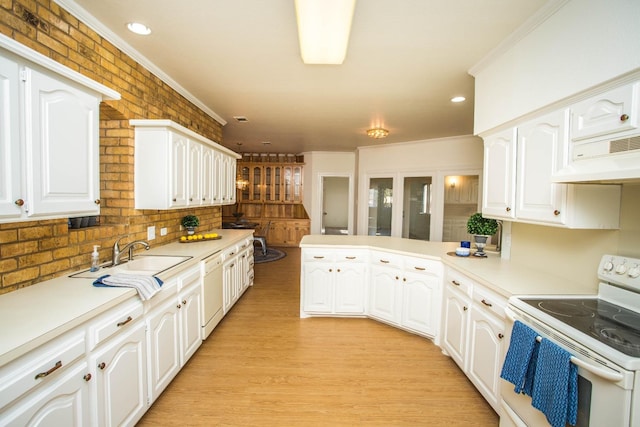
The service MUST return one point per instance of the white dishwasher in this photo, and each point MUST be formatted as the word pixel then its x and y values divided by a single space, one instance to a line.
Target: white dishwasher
pixel 212 313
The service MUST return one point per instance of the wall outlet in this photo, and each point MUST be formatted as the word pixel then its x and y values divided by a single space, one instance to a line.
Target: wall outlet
pixel 151 232
pixel 163 231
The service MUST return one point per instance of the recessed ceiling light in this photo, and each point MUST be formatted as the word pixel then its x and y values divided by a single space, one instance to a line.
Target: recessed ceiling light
pixel 458 99
pixel 138 28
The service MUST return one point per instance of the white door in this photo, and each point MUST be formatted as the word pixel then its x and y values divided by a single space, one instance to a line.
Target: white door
pixel 164 347
pixel 498 197
pixel 384 293
pixel 420 303
pixel 179 181
pixel 349 287
pixel 337 205
pixel 194 195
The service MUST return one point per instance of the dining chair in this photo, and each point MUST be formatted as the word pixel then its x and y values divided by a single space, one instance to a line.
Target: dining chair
pixel 261 237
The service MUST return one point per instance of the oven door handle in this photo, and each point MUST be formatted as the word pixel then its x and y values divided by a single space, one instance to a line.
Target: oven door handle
pixel 595 370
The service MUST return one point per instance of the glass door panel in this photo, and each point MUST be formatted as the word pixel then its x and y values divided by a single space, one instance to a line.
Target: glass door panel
pixel 416 208
pixel 460 202
pixel 244 184
pixel 256 183
pixel 380 206
pixel 268 185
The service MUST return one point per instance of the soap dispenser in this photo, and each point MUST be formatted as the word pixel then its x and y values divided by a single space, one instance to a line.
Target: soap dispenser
pixel 95 259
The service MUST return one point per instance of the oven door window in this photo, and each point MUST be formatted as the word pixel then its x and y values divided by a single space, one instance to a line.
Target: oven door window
pixel 584 402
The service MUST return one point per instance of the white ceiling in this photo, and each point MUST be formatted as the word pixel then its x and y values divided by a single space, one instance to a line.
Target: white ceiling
pixel 406 60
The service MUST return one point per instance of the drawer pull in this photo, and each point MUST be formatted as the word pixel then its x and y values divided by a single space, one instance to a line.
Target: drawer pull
pixel 57 366
pixel 384 261
pixel 124 322
pixel 19 202
pixel 508 209
pixel 624 117
pixel 178 306
pixel 102 365
pixel 318 257
pixel 350 257
pixel 420 268
pixel 465 308
pixel 455 282
pixel 87 377
pixel 556 212
pixel 184 302
pixel 500 336
pixel 488 304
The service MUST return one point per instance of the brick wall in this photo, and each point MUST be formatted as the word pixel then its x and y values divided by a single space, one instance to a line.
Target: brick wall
pixel 31 252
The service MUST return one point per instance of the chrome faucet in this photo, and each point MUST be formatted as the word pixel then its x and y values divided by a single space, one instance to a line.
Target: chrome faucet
pixel 117 252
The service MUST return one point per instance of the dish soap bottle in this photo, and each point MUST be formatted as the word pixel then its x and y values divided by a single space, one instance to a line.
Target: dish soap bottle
pixel 95 259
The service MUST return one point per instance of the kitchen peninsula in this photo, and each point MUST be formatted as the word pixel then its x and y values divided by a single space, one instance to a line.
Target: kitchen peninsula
pixel 419 286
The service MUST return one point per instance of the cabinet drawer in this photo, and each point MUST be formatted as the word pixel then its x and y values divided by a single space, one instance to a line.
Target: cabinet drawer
pixel 318 255
pixel 113 321
pixel 39 365
pixel 229 252
pixel 386 259
pixel 348 255
pixel 489 300
pixel 459 281
pixel 422 265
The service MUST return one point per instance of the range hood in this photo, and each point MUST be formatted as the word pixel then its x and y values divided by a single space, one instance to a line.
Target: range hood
pixel 603 161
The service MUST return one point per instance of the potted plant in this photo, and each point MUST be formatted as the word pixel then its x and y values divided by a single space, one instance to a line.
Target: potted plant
pixel 190 222
pixel 481 228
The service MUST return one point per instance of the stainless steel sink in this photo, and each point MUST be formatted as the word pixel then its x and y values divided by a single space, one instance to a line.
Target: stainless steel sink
pixel 145 265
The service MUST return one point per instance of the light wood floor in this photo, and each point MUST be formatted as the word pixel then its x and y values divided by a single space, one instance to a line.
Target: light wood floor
pixel 264 366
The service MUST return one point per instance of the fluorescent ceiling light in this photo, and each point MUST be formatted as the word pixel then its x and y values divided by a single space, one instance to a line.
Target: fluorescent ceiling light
pixel 323 29
pixel 458 99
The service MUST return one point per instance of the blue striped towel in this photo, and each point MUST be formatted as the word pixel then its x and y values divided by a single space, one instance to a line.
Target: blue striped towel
pixel 147 286
pixel 521 348
pixel 555 385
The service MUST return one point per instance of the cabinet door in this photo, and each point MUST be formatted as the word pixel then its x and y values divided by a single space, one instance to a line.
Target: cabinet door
pixel 10 159
pixel 164 347
pixel 542 146
pixel 486 335
pixel 63 402
pixel 121 378
pixel 349 287
pixel 62 148
pixel 228 180
pixel 190 315
pixel 256 183
pixel 384 293
pixel 217 177
pixel 194 174
pixel 498 197
pixel 230 289
pixel 616 110
pixel 455 324
pixel 318 287
pixel 179 163
pixel 421 303
pixel 207 180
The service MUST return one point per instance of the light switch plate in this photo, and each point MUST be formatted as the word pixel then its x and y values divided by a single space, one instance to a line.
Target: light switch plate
pixel 163 231
pixel 151 232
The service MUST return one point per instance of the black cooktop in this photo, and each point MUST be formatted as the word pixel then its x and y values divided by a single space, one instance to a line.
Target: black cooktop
pixel 611 324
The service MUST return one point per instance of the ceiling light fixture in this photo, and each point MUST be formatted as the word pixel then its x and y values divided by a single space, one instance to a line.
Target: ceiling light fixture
pixel 323 29
pixel 458 99
pixel 377 133
pixel 138 28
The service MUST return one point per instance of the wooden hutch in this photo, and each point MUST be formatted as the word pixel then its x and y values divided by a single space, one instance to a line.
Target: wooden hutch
pixel 269 188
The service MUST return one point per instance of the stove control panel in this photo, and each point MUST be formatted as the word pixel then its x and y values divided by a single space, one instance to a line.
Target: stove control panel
pixel 624 271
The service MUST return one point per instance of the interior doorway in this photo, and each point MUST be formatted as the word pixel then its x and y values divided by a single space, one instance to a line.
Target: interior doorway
pixel 337 205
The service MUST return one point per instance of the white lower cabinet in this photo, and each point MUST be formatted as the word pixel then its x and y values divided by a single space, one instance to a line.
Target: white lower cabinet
pixel 237 272
pixel 473 333
pixel 120 378
pixel 397 289
pixel 62 402
pixel 190 313
pixel 163 325
pixel 334 282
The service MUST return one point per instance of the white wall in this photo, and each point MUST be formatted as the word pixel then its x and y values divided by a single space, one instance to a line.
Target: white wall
pixel 583 44
pixel 317 164
pixel 460 155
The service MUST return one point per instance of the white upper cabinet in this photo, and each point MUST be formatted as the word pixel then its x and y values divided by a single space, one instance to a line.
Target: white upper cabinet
pixel 498 197
pixel 177 168
pixel 49 144
pixel 607 114
pixel 518 168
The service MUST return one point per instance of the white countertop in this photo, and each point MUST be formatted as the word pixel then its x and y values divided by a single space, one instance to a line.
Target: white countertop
pixel 33 315
pixel 501 276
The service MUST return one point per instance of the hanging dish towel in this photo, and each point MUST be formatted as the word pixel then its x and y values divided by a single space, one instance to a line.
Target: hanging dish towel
pixel 521 349
pixel 555 385
pixel 147 286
